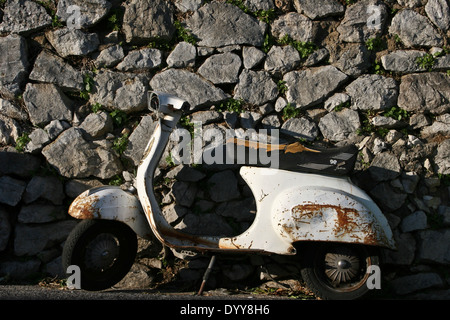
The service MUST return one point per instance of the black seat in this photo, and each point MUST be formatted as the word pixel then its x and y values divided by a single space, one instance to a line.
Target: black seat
pixel 293 157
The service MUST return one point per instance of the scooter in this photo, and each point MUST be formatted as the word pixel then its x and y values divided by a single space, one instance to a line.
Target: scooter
pixel 307 206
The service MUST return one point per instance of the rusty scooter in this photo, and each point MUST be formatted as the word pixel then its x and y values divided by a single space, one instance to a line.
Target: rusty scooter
pixel 307 207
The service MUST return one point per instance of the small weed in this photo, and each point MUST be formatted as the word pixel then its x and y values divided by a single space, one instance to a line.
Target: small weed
pixel 396 113
pixel 232 105
pixel 169 160
pixel 115 20
pixel 116 181
pixel 266 16
pixel 426 62
pixel 119 117
pixel 304 48
pixel 120 144
pixel 289 111
pixel 378 68
pixel 186 123
pixel 88 82
pixel 269 41
pixel 374 44
pixel 22 141
pixel 96 107
pixel 184 35
pixel 282 87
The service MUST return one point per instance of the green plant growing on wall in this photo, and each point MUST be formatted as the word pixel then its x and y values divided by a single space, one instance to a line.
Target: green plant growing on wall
pixel 374 44
pixel 396 113
pixel 119 117
pixel 183 34
pixel 304 48
pixel 426 62
pixel 232 105
pixel 282 87
pixel 88 82
pixel 22 141
pixel 120 144
pixel 290 111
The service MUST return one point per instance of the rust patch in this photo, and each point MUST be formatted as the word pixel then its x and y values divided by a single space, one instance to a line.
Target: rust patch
pixel 346 222
pixel 84 208
pixel 295 147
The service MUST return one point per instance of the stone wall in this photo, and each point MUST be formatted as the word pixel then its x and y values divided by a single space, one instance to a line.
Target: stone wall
pixel 73 114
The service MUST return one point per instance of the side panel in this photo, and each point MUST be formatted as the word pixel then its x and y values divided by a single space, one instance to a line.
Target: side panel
pixel 111 203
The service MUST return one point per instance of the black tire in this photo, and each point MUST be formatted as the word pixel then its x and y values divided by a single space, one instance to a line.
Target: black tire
pixel 103 250
pixel 338 271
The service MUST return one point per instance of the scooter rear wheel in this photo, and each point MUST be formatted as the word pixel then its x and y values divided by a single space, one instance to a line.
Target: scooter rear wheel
pixel 338 271
pixel 103 250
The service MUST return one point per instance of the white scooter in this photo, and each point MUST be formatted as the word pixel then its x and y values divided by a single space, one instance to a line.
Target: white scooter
pixel 307 206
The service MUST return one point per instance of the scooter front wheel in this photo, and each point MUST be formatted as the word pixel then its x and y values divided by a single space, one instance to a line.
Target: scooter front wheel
pixel 338 271
pixel 103 250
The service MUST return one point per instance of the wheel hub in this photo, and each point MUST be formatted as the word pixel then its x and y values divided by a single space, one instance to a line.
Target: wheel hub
pixel 102 252
pixel 341 267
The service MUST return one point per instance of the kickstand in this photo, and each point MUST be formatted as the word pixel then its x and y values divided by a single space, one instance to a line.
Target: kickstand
pixel 206 275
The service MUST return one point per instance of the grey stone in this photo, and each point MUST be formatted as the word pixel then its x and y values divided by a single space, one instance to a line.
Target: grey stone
pixel 44 187
pixel 385 122
pixel 415 221
pixel 11 110
pixel 13 64
pixel 315 10
pixel 410 181
pixel 82 13
pixel 387 198
pixel 409 284
pixel 256 87
pixel 338 126
pixel 146 20
pixel 354 60
pixel 223 186
pixel 5 229
pixel 311 86
pixel 41 213
pixel 439 13
pixel 9 130
pixel 252 57
pixel 74 157
pixel 374 92
pixel 11 190
pixel 414 29
pixel 141 60
pixel 442 159
pixel 404 61
pixel 97 124
pixel 72 42
pixel 207 117
pixel 425 92
pixel 441 125
pixel 281 59
pixel 188 5
pixel 255 5
pixel 39 138
pixel 188 86
pixel 221 68
pixel 46 102
pixel 385 166
pixel 296 26
pixel 52 69
pixel 185 173
pixel 20 269
pixel 55 127
pixel 20 164
pixel 316 57
pixel 126 92
pixel 271 122
pixel 138 140
pixel 33 239
pixel 110 56
pixel 336 100
pixel 74 187
pixel 300 128
pixel 362 21
pixel 249 120
pixel 24 16
pixel 215 25
pixel 182 56
pixel 173 212
pixel 406 248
